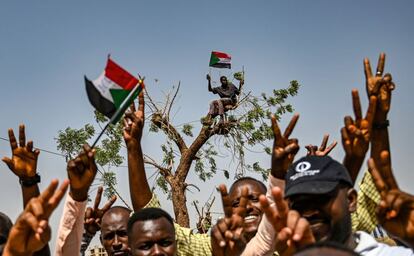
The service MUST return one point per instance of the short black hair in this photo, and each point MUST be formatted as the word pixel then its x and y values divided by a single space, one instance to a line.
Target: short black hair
pixel 5 220
pixel 248 179
pixel 329 244
pixel 118 207
pixel 148 214
pixel 221 77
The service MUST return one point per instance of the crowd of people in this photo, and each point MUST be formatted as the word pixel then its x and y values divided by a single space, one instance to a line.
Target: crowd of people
pixel 309 206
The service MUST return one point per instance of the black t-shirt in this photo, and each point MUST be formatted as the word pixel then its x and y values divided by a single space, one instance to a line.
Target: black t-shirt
pixel 227 92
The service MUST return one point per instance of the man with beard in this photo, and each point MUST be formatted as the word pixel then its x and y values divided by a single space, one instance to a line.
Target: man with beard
pixel 319 201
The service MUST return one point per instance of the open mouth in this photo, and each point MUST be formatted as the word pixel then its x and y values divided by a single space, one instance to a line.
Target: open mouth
pixel 120 253
pixel 250 218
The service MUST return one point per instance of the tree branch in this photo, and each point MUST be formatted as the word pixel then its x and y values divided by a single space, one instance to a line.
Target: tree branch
pixel 164 171
pixel 163 123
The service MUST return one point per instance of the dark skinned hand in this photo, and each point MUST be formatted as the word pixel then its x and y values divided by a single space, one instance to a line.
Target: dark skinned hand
pixel 227 238
pixel 93 216
pixel 313 150
pixel 134 122
pixel 356 134
pixel 81 173
pixel 292 231
pixel 24 157
pixel 395 211
pixel 284 149
pixel 32 231
pixel 379 86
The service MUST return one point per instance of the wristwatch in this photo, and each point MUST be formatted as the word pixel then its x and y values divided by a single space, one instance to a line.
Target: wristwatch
pixel 30 181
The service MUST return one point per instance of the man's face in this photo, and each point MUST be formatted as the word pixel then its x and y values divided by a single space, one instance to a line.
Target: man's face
pixel 114 236
pixel 223 80
pixel 153 237
pixel 329 214
pixel 253 210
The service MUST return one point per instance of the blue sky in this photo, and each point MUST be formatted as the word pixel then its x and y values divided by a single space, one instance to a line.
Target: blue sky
pixel 47 46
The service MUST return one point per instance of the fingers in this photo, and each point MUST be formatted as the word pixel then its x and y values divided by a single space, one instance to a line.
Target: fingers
pixel 281 205
pixel 88 214
pixel 386 170
pixel 291 126
pixel 275 127
pixel 98 198
pixel 141 103
pixel 346 142
pixel 9 162
pixel 377 178
pixel 311 150
pixel 330 147
pixel 324 142
pixel 109 203
pixel 301 229
pixel 367 68
pixel 356 103
pixel 218 232
pixel 227 204
pixel 22 136
pixel 48 192
pixel 57 197
pixel 12 139
pixel 381 64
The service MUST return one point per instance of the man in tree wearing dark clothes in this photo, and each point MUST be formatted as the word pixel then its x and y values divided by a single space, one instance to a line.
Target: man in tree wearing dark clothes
pixel 228 96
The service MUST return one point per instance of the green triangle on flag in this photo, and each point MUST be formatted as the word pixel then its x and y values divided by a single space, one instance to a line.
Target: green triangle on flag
pixel 118 96
pixel 213 60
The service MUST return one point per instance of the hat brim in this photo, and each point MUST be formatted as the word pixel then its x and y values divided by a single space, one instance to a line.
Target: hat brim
pixel 311 188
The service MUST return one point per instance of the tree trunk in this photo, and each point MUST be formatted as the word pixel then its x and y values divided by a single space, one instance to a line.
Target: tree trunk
pixel 179 200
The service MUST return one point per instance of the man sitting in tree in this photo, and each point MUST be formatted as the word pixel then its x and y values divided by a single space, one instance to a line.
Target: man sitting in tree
pixel 228 96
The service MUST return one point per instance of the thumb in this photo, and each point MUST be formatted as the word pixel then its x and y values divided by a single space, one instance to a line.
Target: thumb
pixel 9 162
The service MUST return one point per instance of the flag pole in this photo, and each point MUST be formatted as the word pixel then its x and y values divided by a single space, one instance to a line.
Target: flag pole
pixel 120 111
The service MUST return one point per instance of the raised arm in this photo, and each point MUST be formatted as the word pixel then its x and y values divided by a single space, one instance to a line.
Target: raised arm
pixel 381 87
pixel 23 164
pixel 138 184
pixel 81 172
pixel 395 211
pixel 208 77
pixel 356 135
pixel 32 231
pixel 284 149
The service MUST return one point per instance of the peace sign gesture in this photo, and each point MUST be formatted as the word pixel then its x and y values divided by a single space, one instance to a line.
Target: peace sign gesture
pixel 24 157
pixel 323 150
pixel 356 134
pixel 227 237
pixel 32 231
pixel 379 86
pixel 93 216
pixel 134 122
pixel 396 209
pixel 292 230
pixel 284 149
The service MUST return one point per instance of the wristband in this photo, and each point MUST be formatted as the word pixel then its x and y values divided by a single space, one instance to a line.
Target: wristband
pixel 382 125
pixel 30 181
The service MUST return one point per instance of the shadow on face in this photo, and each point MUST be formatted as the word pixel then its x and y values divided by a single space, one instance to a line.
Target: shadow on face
pixel 114 235
pixel 153 237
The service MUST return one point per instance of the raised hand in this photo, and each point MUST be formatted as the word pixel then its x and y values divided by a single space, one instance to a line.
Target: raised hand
pixel 313 150
pixel 227 236
pixel 356 134
pixel 292 230
pixel 134 122
pixel 24 157
pixel 379 86
pixel 284 149
pixel 32 231
pixel 93 216
pixel 81 173
pixel 395 211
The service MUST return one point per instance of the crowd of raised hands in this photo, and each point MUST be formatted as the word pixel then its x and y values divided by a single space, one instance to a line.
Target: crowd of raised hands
pixel 308 208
